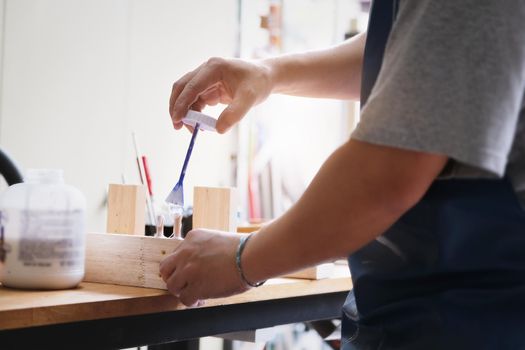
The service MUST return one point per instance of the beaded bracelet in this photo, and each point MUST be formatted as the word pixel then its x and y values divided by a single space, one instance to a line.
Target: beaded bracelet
pixel 240 248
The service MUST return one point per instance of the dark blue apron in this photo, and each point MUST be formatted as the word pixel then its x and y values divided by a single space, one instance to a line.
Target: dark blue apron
pixel 450 273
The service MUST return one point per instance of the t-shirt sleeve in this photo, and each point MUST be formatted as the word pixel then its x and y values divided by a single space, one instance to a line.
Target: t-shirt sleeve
pixel 452 82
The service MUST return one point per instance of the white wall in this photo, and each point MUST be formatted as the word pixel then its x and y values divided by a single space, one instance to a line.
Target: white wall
pixel 79 76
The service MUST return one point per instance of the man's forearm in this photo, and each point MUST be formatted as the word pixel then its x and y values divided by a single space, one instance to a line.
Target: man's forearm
pixel 330 73
pixel 359 192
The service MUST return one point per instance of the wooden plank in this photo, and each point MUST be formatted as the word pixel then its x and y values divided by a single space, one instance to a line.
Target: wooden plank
pixel 126 260
pixel 91 301
pixel 215 208
pixel 126 209
pixel 88 301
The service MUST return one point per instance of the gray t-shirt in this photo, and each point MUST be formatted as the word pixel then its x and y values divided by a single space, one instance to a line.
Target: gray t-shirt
pixel 453 82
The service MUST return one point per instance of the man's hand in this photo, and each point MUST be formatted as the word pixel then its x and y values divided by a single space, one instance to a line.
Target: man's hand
pixel 333 73
pixel 203 267
pixel 237 83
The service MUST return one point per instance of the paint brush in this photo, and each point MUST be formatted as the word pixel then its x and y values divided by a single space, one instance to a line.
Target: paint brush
pixel 176 195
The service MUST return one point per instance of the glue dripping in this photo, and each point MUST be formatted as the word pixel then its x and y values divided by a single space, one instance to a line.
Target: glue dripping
pixel 42 236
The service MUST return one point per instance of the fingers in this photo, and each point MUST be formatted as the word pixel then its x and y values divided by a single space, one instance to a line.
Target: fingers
pixel 188 273
pixel 189 128
pixel 186 91
pixel 240 105
pixel 177 88
pixel 208 98
pixel 167 266
pixel 237 83
pixel 188 297
pixel 178 280
pixel 181 286
pixel 176 283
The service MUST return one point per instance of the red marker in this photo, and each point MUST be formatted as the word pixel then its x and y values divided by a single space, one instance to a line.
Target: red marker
pixel 147 173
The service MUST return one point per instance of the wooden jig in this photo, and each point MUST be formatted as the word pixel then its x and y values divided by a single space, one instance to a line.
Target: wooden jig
pixel 126 205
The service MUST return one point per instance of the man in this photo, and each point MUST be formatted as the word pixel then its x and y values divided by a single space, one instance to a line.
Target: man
pixel 426 198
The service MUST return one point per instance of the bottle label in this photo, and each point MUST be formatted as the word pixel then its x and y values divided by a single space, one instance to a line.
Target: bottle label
pixel 43 239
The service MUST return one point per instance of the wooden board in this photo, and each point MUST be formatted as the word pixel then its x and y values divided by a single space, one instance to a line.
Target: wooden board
pixel 215 208
pixel 130 260
pixel 126 260
pixel 91 301
pixel 126 209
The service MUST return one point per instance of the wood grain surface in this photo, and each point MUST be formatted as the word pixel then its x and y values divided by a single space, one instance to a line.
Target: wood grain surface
pixel 126 205
pixel 215 208
pixel 127 260
pixel 91 301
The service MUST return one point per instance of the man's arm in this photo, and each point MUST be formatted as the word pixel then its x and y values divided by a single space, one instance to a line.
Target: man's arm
pixel 330 73
pixel 357 194
pixel 360 191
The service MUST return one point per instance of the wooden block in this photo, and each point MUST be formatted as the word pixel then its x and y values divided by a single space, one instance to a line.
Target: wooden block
pixel 215 208
pixel 126 209
pixel 314 273
pixel 126 260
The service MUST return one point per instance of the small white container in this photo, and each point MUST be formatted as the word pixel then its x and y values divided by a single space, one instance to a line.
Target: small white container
pixel 42 233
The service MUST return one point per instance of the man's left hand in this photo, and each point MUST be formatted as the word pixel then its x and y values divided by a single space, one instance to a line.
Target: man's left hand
pixel 203 267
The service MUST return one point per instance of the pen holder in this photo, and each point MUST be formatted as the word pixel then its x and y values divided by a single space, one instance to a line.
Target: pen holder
pixel 186 226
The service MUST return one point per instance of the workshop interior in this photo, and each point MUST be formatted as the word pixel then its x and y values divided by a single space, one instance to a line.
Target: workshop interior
pixel 84 106
pixel 262 174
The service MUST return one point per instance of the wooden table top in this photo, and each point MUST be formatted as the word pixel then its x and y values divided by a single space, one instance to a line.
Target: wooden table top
pixel 92 301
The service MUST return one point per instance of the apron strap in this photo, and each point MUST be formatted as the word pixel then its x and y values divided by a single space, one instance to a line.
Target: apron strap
pixel 382 15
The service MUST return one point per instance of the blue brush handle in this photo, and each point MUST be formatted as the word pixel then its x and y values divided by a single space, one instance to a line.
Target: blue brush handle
pixel 188 153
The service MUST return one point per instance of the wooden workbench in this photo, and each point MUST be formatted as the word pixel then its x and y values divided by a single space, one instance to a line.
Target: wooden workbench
pixel 117 316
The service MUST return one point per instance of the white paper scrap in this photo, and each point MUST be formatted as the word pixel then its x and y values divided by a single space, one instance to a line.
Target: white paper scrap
pixel 205 121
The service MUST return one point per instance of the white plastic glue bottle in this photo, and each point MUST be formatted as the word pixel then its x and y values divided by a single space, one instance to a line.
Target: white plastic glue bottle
pixel 42 233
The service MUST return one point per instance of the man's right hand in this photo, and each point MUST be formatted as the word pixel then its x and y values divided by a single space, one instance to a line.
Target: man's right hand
pixel 237 83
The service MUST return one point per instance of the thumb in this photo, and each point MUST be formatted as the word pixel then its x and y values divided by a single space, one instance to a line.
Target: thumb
pixel 235 111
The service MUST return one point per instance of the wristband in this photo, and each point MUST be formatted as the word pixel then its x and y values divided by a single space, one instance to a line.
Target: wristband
pixel 240 249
